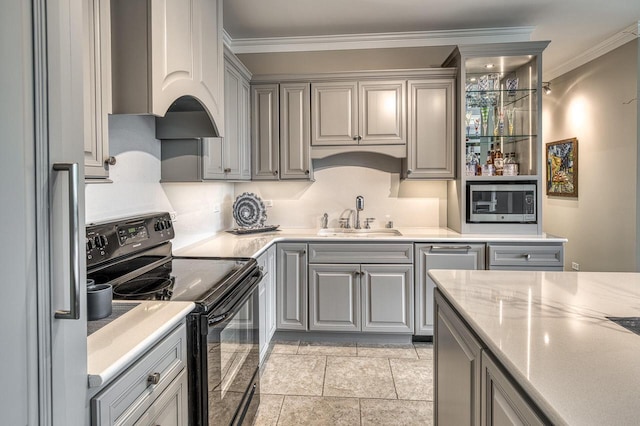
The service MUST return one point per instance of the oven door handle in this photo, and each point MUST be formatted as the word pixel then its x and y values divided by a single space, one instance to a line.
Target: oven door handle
pixel 235 300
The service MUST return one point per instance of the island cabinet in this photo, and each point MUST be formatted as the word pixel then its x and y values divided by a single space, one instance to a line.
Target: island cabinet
pixel 291 286
pixel 267 300
pixel 359 113
pixel 152 391
pixel 439 256
pixel 163 50
pixel 280 132
pixel 361 287
pixel 471 387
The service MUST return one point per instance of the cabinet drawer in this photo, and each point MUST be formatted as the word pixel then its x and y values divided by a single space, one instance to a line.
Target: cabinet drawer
pixel 131 394
pixel 530 256
pixel 360 253
pixel 171 407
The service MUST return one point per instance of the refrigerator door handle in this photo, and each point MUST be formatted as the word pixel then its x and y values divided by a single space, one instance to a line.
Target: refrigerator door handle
pixel 74 237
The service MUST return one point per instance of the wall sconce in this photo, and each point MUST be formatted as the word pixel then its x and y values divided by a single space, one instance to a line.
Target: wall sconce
pixel 546 86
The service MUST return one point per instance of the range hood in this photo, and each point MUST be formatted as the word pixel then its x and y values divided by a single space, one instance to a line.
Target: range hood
pixel 186 118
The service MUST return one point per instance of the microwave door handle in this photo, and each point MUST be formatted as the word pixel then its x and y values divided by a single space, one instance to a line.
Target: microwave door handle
pixel 74 246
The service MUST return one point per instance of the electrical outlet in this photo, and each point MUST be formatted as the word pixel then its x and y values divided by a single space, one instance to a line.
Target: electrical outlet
pixel 268 203
pixel 575 266
pixel 216 208
pixel 173 216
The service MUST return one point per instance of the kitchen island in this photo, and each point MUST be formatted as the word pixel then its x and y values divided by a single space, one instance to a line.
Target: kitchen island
pixel 539 346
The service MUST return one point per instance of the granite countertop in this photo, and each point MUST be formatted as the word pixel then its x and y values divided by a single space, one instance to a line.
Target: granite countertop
pixel 224 244
pixel 114 347
pixel 550 331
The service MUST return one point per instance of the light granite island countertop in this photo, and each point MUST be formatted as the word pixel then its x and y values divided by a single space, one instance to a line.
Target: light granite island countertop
pixel 551 333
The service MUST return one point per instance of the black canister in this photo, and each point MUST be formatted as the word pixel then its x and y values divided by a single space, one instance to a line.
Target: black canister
pixel 99 297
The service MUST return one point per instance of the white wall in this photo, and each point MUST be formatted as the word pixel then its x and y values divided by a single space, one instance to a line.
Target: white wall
pixel 136 184
pixel 597 103
pixel 301 204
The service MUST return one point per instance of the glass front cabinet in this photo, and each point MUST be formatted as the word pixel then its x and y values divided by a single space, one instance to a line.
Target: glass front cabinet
pixel 499 127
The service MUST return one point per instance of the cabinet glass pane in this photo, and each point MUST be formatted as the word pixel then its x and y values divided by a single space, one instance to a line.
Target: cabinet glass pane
pixel 501 111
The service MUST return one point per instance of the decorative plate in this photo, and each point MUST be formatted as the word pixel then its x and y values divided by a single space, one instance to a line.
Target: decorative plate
pixel 249 210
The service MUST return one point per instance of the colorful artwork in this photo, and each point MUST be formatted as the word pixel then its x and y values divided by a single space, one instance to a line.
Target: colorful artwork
pixel 562 168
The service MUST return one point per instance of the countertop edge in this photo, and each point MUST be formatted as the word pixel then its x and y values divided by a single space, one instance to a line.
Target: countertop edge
pixel 105 376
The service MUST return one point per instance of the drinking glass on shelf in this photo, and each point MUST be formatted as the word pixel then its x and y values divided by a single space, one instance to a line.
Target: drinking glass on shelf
pixel 467 121
pixel 476 124
pixel 484 112
pixel 510 115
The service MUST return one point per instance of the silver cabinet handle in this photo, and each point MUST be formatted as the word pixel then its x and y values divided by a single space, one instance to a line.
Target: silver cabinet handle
pixel 527 256
pixel 153 379
pixel 74 245
pixel 449 248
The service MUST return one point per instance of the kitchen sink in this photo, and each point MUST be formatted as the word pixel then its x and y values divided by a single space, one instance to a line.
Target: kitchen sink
pixel 351 232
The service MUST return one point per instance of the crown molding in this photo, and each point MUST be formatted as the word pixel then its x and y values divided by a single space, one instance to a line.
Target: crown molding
pixel 620 38
pixel 377 40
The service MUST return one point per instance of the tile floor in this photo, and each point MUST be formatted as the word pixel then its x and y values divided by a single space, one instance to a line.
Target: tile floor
pixel 347 384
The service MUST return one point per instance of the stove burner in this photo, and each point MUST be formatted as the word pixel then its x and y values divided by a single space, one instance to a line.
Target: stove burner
pixel 153 288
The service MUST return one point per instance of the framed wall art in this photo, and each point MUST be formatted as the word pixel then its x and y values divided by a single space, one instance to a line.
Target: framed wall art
pixel 562 168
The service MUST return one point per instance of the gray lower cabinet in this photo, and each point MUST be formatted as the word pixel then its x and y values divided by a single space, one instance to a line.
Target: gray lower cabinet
pixel 457 369
pixel 439 256
pixel 152 391
pixel 291 286
pixel 267 300
pixel 502 403
pixel 334 297
pixel 387 298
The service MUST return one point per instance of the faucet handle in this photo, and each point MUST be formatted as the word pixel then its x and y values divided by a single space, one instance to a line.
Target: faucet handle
pixel 344 223
pixel 367 222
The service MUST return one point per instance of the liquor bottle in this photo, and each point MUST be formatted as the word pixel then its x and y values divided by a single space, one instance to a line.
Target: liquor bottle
pixel 498 161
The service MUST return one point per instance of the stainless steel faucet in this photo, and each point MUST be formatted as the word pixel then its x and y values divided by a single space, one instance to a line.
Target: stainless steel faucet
pixel 345 222
pixel 359 208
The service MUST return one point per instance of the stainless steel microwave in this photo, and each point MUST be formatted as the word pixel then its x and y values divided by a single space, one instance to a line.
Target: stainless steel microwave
pixel 502 203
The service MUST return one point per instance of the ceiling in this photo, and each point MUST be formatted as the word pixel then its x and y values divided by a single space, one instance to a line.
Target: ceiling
pixel 573 26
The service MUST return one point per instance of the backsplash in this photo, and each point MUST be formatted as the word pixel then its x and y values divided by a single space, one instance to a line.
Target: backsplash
pixel 302 204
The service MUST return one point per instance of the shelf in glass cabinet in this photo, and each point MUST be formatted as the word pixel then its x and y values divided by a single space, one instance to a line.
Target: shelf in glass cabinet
pixel 481 98
pixel 485 140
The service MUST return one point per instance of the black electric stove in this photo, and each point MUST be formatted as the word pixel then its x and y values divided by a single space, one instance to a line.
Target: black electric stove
pixel 134 255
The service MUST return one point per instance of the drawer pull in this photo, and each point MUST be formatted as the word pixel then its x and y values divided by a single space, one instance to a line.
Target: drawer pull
pixel 450 248
pixel 527 256
pixel 153 379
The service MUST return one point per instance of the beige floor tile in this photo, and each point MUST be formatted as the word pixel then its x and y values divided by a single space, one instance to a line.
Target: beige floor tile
pixel 396 412
pixel 285 347
pixel 309 410
pixel 424 350
pixel 387 351
pixel 413 378
pixel 293 375
pixel 320 348
pixel 269 410
pixel 358 377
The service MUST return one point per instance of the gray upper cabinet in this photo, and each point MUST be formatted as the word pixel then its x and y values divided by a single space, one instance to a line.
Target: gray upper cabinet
pixel 291 286
pixel 265 132
pixel 382 113
pixel 431 136
pixel 295 131
pixel 359 113
pixel 440 256
pixel 281 130
pixel 335 113
pixel 164 50
pixel 334 297
pixel 97 88
pixel 387 298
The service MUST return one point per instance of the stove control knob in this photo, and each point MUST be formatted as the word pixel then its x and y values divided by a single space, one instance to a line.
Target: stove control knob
pixel 169 224
pixel 89 244
pixel 100 241
pixel 156 227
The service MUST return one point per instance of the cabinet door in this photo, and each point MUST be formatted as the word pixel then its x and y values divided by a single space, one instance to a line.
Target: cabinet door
pixel 265 132
pixel 262 320
pixel 295 132
pixel 236 152
pixel 271 293
pixel 502 402
pixel 387 298
pixel 428 256
pixel 212 155
pixel 210 74
pixel 430 148
pixel 291 287
pixel 335 113
pixel 97 88
pixel 171 407
pixel 456 369
pixel 334 297
pixel 382 113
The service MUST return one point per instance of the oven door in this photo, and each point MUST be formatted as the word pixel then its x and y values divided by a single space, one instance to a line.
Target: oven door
pixel 232 357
